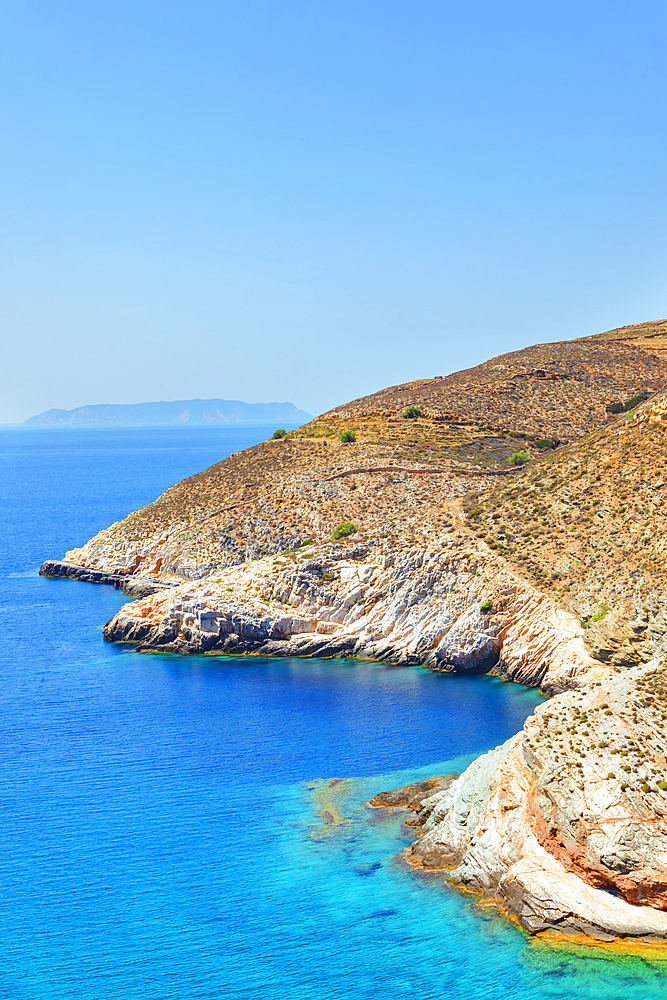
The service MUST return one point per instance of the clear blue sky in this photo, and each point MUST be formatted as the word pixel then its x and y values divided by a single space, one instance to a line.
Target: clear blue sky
pixel 312 200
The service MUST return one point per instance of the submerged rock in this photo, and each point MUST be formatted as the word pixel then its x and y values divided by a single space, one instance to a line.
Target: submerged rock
pixel 411 796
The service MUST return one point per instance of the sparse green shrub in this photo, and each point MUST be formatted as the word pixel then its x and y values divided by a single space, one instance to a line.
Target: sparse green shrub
pixel 412 412
pixel 597 617
pixel 277 435
pixel 662 785
pixel 486 606
pixel 347 437
pixel 629 404
pixel 635 401
pixel 519 458
pixel 344 529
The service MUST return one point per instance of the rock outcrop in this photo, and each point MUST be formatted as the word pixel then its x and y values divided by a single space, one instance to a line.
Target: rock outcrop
pixel 453 608
pixel 133 586
pixel 566 823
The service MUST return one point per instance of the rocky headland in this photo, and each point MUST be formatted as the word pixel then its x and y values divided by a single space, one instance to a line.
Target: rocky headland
pixel 508 519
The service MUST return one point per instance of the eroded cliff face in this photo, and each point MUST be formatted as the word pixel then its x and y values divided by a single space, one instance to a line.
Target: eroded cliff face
pixel 452 608
pixel 566 823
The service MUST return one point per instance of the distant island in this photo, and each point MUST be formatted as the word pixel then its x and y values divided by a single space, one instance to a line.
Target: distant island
pixel 190 412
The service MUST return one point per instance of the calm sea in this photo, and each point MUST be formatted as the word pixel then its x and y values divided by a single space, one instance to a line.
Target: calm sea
pixel 160 828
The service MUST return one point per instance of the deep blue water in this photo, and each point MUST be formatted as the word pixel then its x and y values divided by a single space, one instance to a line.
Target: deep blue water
pixel 160 834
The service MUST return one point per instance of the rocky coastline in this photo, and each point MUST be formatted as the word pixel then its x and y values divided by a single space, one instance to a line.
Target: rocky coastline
pixel 133 586
pixel 452 609
pixel 401 541
pixel 565 840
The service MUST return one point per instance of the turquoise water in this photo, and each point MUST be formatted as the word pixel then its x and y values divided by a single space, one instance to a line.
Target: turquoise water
pixel 160 827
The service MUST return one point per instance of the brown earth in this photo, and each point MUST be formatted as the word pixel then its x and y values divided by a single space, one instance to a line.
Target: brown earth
pixel 556 390
pixel 588 522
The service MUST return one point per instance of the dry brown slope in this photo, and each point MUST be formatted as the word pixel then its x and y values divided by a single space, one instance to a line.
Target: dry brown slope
pixel 589 524
pixel 556 390
pixel 268 499
pixel 650 336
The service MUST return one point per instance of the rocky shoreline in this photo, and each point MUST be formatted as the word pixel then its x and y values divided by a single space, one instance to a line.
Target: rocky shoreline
pixel 563 846
pixel 133 586
pixel 399 540
pixel 565 825
pixel 452 609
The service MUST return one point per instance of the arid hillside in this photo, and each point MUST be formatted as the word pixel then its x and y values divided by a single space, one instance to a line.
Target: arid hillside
pixel 556 390
pixel 485 462
pixel 588 522
pixel 647 336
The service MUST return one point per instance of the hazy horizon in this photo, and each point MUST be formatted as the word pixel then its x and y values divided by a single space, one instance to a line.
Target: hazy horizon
pixel 319 201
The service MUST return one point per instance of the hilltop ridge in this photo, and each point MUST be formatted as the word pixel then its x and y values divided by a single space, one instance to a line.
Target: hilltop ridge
pixel 548 390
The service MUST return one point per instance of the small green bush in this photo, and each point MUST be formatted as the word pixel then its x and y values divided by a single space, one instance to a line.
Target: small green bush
pixel 347 437
pixel 629 404
pixel 412 412
pixel 277 435
pixel 635 401
pixel 486 606
pixel 519 458
pixel 344 529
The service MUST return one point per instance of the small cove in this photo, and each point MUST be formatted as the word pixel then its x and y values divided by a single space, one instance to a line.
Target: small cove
pixel 159 830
